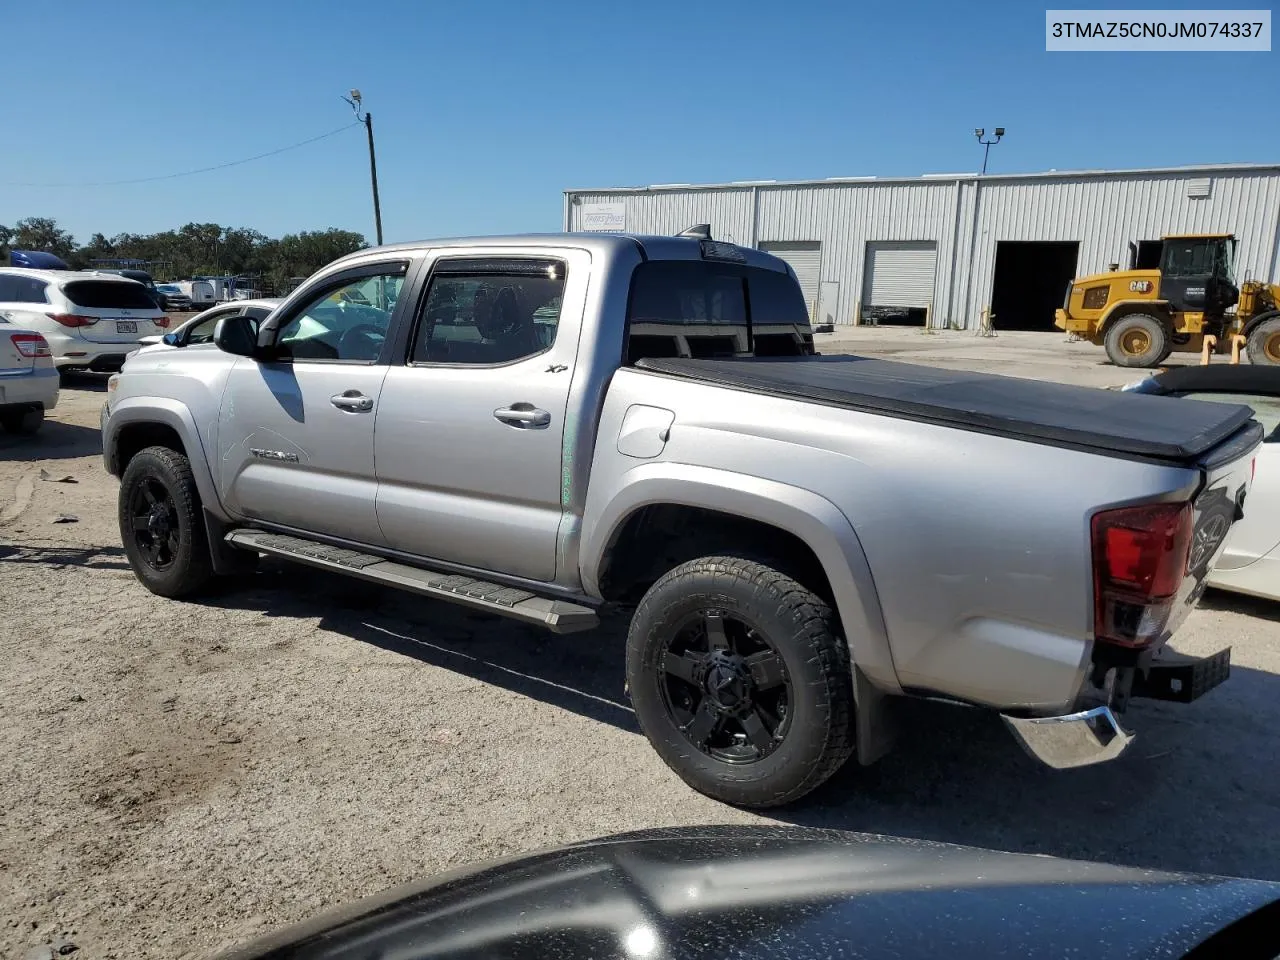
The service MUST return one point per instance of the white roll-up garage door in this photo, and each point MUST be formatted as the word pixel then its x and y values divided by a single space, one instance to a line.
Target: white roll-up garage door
pixel 805 257
pixel 899 273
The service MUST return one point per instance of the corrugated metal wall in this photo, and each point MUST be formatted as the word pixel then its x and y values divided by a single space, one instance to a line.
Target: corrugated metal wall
pixel 966 217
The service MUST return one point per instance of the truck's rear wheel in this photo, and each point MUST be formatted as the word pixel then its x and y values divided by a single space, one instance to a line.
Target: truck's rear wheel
pixel 741 681
pixel 1138 340
pixel 1264 341
pixel 161 526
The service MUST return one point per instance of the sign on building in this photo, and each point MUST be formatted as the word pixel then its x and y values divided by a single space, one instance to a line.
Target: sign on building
pixel 603 216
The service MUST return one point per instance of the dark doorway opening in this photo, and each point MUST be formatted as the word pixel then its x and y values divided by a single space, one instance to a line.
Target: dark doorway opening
pixel 1146 255
pixel 1031 280
pixel 894 316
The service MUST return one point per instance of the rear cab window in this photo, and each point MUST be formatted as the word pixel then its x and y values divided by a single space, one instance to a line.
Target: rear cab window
pixel 708 308
pixel 108 295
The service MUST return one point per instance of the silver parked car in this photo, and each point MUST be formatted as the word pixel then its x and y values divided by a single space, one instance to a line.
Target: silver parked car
pixel 539 426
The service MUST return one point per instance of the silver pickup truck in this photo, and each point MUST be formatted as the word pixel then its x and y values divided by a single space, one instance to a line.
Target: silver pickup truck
pixel 541 426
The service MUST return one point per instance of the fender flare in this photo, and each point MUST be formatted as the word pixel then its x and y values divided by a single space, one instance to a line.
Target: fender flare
pixel 175 415
pixel 819 523
pixel 1157 308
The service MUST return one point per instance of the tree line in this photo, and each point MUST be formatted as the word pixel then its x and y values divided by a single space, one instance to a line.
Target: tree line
pixel 196 249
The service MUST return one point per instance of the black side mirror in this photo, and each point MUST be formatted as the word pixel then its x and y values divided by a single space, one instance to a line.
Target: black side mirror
pixel 237 334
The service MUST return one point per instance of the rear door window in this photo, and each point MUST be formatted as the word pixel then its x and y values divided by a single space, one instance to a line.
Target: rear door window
pixel 108 295
pixel 16 289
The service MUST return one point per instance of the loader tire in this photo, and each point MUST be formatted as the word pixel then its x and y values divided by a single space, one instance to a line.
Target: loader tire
pixel 1263 345
pixel 1137 340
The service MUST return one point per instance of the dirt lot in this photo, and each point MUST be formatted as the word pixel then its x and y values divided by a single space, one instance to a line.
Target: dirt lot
pixel 176 777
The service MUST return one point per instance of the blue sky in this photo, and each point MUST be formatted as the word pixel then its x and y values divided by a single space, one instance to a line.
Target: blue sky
pixel 485 111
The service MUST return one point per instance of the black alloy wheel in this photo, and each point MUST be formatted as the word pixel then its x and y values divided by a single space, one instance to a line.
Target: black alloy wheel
pixel 726 688
pixel 155 523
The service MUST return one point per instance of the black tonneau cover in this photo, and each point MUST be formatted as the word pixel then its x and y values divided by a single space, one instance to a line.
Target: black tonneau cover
pixel 1106 421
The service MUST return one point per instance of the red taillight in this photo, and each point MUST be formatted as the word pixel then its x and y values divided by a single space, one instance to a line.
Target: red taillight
pixel 1139 562
pixel 73 319
pixel 161 322
pixel 31 344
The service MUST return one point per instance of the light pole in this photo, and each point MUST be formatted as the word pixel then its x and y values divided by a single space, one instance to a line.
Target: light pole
pixel 979 133
pixel 367 119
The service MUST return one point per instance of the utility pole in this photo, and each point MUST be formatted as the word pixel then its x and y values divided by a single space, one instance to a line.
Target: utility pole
pixel 366 118
pixel 979 133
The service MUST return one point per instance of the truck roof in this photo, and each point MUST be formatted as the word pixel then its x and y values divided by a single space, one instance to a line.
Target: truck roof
pixel 607 244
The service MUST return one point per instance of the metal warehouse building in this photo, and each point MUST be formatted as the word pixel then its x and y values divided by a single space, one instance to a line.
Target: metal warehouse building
pixel 940 249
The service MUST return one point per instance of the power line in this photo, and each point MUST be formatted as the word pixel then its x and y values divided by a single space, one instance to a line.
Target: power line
pixel 191 173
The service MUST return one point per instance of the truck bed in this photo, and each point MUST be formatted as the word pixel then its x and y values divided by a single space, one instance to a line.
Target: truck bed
pixel 1103 421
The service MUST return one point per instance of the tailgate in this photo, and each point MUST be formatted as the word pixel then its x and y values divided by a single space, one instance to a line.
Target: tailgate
pixel 1228 470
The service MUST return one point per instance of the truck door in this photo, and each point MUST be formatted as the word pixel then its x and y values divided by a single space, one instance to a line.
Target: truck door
pixel 1195 275
pixel 472 427
pixel 295 435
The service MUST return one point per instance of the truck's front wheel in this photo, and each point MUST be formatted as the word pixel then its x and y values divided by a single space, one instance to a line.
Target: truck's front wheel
pixel 1138 340
pixel 741 681
pixel 161 525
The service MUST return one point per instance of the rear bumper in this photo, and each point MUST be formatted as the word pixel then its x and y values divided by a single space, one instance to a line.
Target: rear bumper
pixel 38 388
pixel 1095 735
pixel 81 354
pixel 1075 740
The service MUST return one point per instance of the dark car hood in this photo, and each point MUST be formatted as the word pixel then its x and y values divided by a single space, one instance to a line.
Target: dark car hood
pixel 789 893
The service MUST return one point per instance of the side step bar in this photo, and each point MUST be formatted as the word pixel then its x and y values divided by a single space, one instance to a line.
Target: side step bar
pixel 558 616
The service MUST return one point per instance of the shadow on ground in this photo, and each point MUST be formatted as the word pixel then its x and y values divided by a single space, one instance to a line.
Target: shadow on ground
pixel 86 382
pixel 582 673
pixel 1239 603
pixel 93 558
pixel 54 441
pixel 1197 790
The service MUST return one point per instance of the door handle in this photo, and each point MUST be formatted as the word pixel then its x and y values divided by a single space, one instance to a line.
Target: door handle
pixel 523 415
pixel 352 400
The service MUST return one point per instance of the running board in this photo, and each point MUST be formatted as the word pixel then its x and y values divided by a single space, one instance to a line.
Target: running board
pixel 558 616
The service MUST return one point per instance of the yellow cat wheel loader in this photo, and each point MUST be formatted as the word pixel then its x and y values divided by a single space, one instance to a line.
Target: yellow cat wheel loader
pixel 1141 316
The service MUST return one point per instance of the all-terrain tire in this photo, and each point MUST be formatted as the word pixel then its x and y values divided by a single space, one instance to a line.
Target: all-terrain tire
pixel 158 482
pixel 798 626
pixel 1137 340
pixel 24 422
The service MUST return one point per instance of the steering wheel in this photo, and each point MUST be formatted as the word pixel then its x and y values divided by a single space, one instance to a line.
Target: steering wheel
pixel 374 335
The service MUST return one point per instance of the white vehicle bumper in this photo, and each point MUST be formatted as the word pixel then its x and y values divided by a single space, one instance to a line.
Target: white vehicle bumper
pixel 29 389
pixel 78 353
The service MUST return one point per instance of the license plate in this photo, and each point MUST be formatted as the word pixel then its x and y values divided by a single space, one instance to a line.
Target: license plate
pixel 126 326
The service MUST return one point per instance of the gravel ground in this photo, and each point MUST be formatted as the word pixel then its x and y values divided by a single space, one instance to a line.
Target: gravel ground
pixel 177 777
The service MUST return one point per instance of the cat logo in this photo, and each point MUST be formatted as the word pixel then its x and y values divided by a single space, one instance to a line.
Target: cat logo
pixel 1140 286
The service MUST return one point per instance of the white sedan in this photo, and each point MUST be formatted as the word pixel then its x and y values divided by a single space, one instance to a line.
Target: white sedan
pixel 1250 562
pixel 28 379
